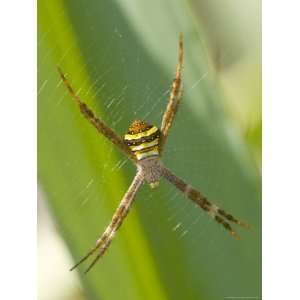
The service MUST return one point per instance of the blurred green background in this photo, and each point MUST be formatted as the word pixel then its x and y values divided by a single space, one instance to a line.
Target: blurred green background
pixel 120 56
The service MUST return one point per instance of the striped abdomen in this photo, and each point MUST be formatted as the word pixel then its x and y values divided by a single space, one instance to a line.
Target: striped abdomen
pixel 143 139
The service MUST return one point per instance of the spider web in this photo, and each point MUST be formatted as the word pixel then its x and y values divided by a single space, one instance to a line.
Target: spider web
pixel 128 82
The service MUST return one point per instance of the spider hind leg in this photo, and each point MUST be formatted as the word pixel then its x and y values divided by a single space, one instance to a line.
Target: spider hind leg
pixel 213 211
pixel 219 215
pixel 120 214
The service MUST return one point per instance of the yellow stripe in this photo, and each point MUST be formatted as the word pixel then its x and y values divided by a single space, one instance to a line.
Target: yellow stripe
pixel 144 145
pixel 130 137
pixel 142 155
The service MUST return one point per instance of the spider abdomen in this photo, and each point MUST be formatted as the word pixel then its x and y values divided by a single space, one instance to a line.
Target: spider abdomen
pixel 143 139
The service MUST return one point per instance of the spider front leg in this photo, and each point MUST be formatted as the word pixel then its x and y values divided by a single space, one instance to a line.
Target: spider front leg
pixel 96 122
pixel 174 100
pixel 213 210
pixel 104 241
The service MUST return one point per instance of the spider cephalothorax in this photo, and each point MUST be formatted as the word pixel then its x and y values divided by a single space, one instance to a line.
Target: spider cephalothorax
pixel 144 145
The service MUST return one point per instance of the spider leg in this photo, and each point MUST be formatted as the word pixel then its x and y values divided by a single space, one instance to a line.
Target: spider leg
pixel 104 241
pixel 102 249
pixel 216 213
pixel 96 122
pixel 174 99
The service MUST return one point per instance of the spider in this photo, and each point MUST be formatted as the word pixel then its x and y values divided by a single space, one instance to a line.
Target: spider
pixel 143 145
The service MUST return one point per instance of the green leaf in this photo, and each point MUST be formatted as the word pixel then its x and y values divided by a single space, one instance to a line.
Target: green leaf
pixel 121 56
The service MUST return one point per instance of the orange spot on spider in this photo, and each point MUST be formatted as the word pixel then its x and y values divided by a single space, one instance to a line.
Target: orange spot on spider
pixel 138 126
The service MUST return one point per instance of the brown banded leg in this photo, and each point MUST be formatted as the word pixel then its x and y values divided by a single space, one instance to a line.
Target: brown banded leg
pixel 107 243
pixel 216 213
pixel 98 124
pixel 174 99
pixel 104 241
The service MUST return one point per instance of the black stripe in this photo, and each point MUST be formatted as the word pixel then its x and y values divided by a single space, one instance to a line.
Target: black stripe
pixel 143 139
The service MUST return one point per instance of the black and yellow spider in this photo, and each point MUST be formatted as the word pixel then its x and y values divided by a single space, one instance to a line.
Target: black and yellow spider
pixel 144 145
